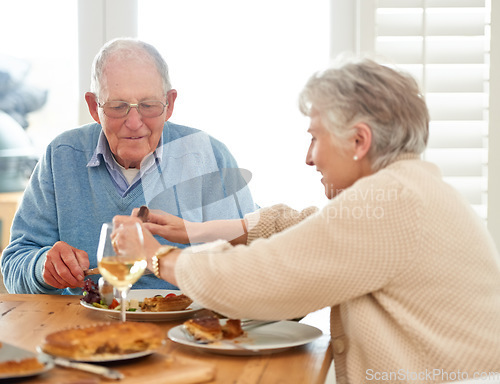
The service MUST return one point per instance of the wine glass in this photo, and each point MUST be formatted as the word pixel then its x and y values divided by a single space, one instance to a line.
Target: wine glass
pixel 121 258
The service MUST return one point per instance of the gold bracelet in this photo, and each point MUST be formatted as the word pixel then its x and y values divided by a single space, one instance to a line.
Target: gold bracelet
pixel 163 251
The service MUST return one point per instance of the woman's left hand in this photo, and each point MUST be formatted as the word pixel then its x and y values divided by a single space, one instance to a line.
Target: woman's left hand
pixel 170 227
pixel 151 245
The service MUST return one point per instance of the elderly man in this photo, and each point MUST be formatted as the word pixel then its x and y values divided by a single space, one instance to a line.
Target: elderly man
pixel 131 156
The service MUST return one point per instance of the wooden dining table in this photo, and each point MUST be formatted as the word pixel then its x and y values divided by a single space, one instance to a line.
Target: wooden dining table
pixel 26 319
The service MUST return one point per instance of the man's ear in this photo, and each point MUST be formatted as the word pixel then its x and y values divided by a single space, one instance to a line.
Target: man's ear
pixel 363 140
pixel 91 100
pixel 171 96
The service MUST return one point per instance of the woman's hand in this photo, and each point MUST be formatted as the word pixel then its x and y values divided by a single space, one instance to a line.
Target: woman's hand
pixel 181 231
pixel 151 246
pixel 168 226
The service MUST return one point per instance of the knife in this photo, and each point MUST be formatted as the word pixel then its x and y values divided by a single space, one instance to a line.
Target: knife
pixel 97 369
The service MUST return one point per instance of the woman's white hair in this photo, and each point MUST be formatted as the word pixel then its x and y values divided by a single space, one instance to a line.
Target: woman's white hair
pixel 127 48
pixel 387 100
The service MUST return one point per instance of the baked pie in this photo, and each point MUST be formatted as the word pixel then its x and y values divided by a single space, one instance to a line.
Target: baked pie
pixel 232 328
pixel 103 340
pixel 210 328
pixel 204 328
pixel 27 365
pixel 166 304
pixel 20 366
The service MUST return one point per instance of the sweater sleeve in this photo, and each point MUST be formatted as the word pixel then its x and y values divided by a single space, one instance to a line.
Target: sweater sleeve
pixel 33 228
pixel 268 221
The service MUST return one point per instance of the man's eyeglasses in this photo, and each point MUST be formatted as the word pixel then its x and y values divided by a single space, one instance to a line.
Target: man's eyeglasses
pixel 118 109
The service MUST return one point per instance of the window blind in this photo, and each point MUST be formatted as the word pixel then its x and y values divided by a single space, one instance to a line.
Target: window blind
pixel 445 45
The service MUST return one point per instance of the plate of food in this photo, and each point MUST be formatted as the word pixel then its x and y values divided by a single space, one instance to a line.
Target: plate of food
pixel 104 342
pixel 267 338
pixel 148 305
pixel 18 363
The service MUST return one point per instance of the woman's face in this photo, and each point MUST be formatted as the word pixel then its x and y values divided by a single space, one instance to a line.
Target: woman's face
pixel 333 158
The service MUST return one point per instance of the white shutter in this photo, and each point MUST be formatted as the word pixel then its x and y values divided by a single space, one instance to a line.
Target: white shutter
pixel 445 45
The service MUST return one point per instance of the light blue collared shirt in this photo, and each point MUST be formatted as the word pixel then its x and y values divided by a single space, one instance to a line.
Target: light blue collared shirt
pixel 121 183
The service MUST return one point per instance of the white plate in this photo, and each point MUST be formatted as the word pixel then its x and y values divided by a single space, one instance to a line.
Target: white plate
pixel 103 358
pixel 138 315
pixel 270 338
pixel 10 352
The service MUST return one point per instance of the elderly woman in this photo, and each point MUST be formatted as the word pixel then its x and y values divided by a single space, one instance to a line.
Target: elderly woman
pixel 409 270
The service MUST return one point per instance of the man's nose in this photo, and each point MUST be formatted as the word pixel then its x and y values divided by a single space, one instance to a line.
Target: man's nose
pixel 134 118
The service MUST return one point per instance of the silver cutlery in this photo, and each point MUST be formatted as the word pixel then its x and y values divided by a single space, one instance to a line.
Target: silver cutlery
pixel 251 324
pixel 97 369
pixel 95 271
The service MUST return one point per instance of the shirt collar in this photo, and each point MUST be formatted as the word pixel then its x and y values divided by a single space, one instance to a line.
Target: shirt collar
pixel 102 148
pixel 103 151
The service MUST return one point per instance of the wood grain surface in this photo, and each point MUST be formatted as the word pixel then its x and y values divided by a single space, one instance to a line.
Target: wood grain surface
pixel 26 319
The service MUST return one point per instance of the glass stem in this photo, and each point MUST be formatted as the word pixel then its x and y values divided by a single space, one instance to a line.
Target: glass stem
pixel 123 294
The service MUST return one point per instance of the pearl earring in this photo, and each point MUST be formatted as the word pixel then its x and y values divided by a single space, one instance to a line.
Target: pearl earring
pixel 355 158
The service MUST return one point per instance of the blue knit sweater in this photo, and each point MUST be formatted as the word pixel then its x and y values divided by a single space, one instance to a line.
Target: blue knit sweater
pixel 66 200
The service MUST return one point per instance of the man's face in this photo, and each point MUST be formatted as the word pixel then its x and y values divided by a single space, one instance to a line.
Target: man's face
pixel 133 137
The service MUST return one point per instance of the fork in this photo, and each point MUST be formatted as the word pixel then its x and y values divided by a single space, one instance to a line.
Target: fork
pixel 250 324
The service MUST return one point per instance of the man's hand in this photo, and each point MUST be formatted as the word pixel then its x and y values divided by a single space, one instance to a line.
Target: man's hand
pixel 64 266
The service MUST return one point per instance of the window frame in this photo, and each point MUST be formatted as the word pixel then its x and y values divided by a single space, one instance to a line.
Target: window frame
pixel 493 131
pixel 358 30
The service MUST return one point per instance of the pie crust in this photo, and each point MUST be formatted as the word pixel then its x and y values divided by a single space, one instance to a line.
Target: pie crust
pixel 210 328
pixel 103 340
pixel 30 364
pixel 166 304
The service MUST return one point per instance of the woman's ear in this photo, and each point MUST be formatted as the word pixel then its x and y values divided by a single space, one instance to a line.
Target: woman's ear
pixel 91 100
pixel 363 140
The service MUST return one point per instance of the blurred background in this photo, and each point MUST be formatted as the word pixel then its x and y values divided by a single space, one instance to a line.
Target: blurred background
pixel 238 67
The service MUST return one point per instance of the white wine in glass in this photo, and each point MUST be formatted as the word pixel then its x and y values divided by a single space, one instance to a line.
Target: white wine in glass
pixel 120 257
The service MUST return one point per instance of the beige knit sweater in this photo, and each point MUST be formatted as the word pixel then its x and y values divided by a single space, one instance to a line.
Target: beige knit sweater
pixel 410 271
